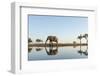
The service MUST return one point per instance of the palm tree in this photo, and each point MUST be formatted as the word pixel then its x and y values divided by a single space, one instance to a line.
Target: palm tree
pixel 86 37
pixel 80 37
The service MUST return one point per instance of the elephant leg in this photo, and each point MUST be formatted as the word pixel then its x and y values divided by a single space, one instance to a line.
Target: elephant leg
pixel 57 44
pixel 46 42
pixel 51 44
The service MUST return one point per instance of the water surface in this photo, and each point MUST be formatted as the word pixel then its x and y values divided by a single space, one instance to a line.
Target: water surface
pixel 53 53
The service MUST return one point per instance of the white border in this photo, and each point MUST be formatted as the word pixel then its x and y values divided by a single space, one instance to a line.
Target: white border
pixel 19 38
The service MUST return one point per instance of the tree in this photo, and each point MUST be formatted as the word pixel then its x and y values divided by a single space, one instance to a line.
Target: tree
pixel 39 40
pixel 74 42
pixel 86 37
pixel 29 40
pixel 80 37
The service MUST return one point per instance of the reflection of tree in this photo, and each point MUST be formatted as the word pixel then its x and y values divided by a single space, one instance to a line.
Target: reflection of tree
pixel 86 51
pixel 83 52
pixel 74 44
pixel 51 50
pixel 29 49
pixel 80 51
pixel 38 49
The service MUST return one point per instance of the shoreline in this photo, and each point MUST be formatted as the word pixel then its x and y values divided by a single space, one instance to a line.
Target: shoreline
pixel 59 45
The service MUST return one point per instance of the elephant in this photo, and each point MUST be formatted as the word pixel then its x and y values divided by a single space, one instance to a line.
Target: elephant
pixel 52 39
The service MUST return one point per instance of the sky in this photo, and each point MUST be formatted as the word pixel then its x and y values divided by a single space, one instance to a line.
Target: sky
pixel 65 28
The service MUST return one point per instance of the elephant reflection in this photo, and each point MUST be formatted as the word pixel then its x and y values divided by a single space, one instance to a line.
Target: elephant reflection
pixel 51 50
pixel 83 52
pixel 52 39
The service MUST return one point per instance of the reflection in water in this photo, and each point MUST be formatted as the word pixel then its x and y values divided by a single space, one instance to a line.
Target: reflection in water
pixel 86 51
pixel 38 49
pixel 52 53
pixel 74 46
pixel 51 50
pixel 82 51
pixel 29 49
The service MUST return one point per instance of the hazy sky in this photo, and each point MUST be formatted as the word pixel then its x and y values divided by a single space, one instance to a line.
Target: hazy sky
pixel 66 28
